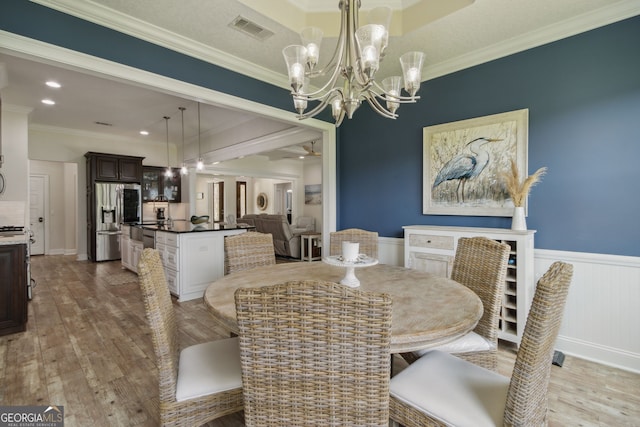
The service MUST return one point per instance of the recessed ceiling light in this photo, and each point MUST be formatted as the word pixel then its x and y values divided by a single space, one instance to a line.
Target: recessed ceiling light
pixel 53 84
pixel 144 132
pixel 301 157
pixel 48 102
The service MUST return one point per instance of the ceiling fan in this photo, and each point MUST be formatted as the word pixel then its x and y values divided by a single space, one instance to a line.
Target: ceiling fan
pixel 310 150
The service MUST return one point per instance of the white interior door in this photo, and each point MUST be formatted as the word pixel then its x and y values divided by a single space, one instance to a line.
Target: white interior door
pixel 36 212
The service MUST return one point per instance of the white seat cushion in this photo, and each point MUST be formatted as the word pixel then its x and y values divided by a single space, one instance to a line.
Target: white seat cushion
pixel 452 390
pixel 209 368
pixel 465 344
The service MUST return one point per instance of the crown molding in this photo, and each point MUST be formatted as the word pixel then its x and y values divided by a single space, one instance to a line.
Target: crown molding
pixel 98 14
pixel 19 109
pixel 558 31
pixel 106 17
pixel 57 130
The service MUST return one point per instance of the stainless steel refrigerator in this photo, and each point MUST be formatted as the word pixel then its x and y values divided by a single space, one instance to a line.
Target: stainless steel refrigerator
pixel 116 204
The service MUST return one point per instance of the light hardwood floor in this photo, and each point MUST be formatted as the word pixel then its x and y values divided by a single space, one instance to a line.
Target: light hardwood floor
pixel 87 347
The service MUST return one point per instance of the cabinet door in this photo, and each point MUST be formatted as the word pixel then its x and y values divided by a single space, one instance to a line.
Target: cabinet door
pixel 171 186
pixel 151 183
pixel 173 281
pixel 440 265
pixel 125 251
pixel 155 183
pixel 106 168
pixel 130 170
pixel 136 251
pixel 13 289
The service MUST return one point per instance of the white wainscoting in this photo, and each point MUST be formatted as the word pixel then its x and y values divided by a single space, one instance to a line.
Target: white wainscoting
pixel 602 317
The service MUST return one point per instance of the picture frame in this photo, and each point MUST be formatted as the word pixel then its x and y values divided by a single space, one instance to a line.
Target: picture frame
pixel 262 201
pixel 463 163
pixel 313 194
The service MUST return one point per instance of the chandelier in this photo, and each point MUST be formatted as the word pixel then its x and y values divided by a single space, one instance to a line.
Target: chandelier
pixel 352 68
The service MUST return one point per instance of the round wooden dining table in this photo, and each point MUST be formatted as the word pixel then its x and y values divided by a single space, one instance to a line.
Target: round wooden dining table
pixel 427 310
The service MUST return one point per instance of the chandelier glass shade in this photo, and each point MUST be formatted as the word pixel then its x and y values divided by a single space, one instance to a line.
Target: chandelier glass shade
pixel 351 71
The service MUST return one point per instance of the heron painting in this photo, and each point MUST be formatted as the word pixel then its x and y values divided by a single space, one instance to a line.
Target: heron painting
pixel 465 166
pixel 463 162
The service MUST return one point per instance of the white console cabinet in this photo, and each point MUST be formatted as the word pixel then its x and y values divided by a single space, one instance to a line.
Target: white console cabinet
pixel 433 248
pixel 192 260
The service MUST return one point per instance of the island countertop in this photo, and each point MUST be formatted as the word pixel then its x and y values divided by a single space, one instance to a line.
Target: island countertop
pixel 188 227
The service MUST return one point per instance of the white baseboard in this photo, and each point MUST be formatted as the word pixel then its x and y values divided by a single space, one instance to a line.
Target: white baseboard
pixel 601 318
pixel 598 353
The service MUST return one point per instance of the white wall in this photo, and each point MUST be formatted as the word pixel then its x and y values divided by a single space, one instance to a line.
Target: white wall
pixel 15 168
pixel 313 175
pixel 601 318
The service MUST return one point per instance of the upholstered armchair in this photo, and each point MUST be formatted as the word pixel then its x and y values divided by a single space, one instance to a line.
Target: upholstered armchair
pixel 303 224
pixel 285 241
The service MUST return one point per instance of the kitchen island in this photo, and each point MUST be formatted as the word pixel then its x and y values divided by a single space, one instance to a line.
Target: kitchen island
pixel 192 254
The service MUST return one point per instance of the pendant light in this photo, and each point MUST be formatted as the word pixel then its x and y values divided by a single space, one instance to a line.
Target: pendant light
pixel 200 164
pixel 183 170
pixel 168 173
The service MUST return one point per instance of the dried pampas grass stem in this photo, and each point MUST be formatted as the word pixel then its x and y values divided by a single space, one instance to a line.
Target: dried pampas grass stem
pixel 517 188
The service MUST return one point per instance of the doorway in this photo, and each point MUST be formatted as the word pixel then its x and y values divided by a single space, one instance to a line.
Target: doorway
pixel 283 199
pixel 37 221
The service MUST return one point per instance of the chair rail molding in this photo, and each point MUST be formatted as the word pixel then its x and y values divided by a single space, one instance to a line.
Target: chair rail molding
pixel 601 316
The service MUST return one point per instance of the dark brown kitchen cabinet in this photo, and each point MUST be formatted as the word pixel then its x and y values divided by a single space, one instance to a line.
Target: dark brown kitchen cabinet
pixel 113 167
pixel 13 288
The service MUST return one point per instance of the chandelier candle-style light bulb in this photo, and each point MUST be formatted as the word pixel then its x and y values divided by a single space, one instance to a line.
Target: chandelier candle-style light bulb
pixel 370 39
pixel 412 69
pixel 295 56
pixel 391 85
pixel 349 77
pixel 311 39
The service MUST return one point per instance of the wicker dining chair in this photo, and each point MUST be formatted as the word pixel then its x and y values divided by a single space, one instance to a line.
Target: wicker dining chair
pixel 368 241
pixel 200 383
pixel 314 353
pixel 248 250
pixel 440 389
pixel 480 264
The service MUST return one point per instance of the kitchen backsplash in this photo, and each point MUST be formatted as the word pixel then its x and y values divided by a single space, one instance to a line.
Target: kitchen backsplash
pixel 12 213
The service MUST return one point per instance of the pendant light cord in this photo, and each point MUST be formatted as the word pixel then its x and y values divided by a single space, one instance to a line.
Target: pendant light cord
pixel 166 120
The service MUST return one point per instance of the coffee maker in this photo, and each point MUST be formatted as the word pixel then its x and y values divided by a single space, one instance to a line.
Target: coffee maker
pixel 160 205
pixel 160 215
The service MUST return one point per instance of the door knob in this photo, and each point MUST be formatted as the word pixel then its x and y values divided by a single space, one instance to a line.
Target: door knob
pixel 40 219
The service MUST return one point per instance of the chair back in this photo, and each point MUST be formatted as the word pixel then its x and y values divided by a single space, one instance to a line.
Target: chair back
pixel 162 321
pixel 527 397
pixel 368 241
pixel 314 354
pixel 248 250
pixel 480 264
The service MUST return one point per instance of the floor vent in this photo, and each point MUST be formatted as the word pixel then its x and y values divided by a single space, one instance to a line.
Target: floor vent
pixel 250 28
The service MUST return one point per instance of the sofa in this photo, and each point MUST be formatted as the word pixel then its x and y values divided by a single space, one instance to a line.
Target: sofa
pixel 285 242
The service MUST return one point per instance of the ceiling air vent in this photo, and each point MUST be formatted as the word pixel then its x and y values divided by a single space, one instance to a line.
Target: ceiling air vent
pixel 250 28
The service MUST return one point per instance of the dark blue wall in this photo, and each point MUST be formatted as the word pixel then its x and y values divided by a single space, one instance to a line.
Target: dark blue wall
pixel 583 96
